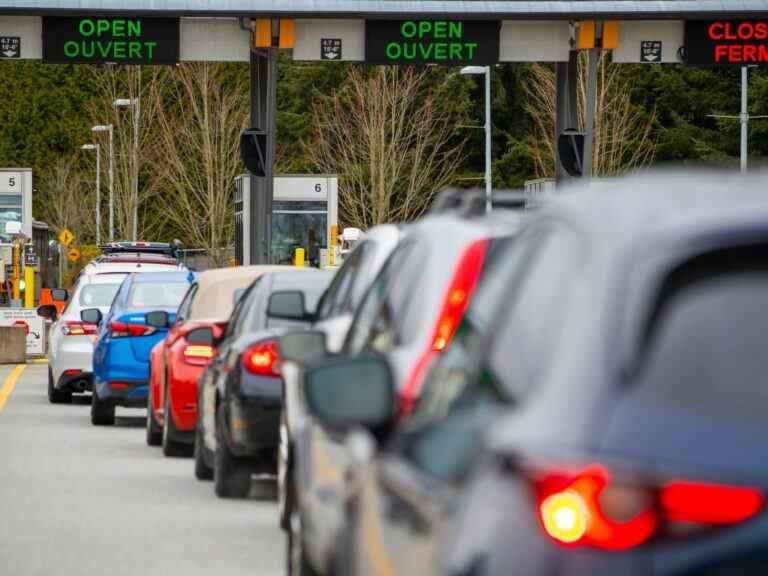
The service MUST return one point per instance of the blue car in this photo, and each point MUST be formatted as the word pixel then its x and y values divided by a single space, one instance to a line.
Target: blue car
pixel 144 307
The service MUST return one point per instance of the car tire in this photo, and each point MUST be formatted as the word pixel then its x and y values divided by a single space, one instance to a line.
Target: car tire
pixel 172 448
pixel 154 431
pixel 202 470
pixel 295 555
pixel 56 396
pixel 102 413
pixel 231 479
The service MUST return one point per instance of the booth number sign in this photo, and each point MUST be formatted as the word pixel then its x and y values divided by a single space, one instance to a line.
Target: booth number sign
pixel 111 40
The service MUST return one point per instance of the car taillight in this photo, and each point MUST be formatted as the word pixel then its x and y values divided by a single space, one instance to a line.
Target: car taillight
pixel 591 509
pixel 261 359
pixel 76 328
pixel 198 354
pixel 124 329
pixel 455 303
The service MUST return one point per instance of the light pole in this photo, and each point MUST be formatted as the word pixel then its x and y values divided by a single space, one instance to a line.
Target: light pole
pixel 110 129
pixel 97 147
pixel 135 106
pixel 486 71
pixel 744 117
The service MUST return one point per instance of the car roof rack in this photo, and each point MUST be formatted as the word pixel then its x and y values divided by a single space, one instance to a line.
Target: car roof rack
pixel 135 247
pixel 470 202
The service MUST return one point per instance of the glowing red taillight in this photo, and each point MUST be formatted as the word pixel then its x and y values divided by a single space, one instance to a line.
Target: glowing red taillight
pixel 455 303
pixel 125 329
pixel 76 328
pixel 198 354
pixel 590 509
pixel 683 501
pixel 261 359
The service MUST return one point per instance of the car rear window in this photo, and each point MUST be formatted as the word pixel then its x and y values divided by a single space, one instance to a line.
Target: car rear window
pixel 148 294
pixel 705 343
pixel 98 294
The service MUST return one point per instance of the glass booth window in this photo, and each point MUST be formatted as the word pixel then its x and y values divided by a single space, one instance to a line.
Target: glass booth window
pixel 291 230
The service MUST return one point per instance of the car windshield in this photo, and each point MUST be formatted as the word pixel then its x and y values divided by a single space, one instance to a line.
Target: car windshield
pixel 148 294
pixel 98 294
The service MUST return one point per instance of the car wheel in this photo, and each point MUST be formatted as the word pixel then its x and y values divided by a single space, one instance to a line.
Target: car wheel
pixel 56 396
pixel 295 556
pixel 283 469
pixel 154 432
pixel 102 413
pixel 231 479
pixel 171 447
pixel 202 470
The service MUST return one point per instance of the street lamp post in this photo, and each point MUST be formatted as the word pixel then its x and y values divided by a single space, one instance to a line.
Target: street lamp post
pixel 110 129
pixel 135 105
pixel 97 147
pixel 486 71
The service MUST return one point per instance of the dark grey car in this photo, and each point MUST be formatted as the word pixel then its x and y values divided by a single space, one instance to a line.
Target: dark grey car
pixel 602 409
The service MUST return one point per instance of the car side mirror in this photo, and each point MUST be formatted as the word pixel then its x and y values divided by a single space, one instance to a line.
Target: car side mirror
pixel 59 295
pixel 91 316
pixel 47 311
pixel 202 335
pixel 351 392
pixel 157 319
pixel 287 305
pixel 303 347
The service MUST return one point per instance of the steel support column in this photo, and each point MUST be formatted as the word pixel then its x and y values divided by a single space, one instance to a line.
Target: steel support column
pixel 566 105
pixel 263 112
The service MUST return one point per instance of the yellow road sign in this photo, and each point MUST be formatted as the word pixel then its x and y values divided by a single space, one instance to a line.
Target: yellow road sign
pixel 73 254
pixel 66 237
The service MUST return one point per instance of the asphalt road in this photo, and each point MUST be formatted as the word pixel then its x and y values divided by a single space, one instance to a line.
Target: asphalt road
pixel 79 500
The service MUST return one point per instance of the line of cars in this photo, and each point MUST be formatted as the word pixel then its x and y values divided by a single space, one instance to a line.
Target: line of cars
pixel 142 329
pixel 564 391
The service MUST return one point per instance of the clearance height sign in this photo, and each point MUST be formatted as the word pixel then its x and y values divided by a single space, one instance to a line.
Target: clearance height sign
pixel 111 40
pixel 726 42
pixel 431 42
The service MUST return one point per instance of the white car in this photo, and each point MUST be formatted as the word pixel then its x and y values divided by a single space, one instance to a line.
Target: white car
pixel 334 317
pixel 70 340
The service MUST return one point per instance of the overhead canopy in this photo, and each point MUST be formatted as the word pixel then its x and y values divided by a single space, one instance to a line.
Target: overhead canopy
pixel 392 8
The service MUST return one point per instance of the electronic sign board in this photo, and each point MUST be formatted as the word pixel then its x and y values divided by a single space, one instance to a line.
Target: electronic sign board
pixel 419 41
pixel 101 40
pixel 726 42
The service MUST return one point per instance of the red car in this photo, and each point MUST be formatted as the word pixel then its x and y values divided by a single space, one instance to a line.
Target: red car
pixel 178 360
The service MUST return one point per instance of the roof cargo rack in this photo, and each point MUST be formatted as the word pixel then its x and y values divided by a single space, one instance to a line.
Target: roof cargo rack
pixel 471 202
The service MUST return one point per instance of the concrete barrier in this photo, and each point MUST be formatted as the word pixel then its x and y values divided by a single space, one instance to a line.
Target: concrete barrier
pixel 13 345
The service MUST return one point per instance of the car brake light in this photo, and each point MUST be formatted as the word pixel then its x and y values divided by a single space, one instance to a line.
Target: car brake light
pixel 455 303
pixel 683 501
pixel 198 354
pixel 76 328
pixel 589 509
pixel 124 329
pixel 261 359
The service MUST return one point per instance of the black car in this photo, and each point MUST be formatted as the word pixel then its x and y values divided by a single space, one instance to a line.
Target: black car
pixel 240 393
pixel 602 409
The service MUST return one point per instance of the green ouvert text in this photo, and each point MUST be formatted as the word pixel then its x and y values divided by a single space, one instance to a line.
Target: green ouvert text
pixel 110 40
pixel 434 40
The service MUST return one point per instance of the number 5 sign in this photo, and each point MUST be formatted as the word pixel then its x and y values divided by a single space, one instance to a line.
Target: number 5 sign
pixel 10 182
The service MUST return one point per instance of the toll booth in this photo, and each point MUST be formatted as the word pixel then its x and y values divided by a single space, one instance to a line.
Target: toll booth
pixel 304 208
pixel 15 200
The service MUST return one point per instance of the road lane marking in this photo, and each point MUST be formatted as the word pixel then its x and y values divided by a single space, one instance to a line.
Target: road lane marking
pixel 10 384
pixel 38 361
